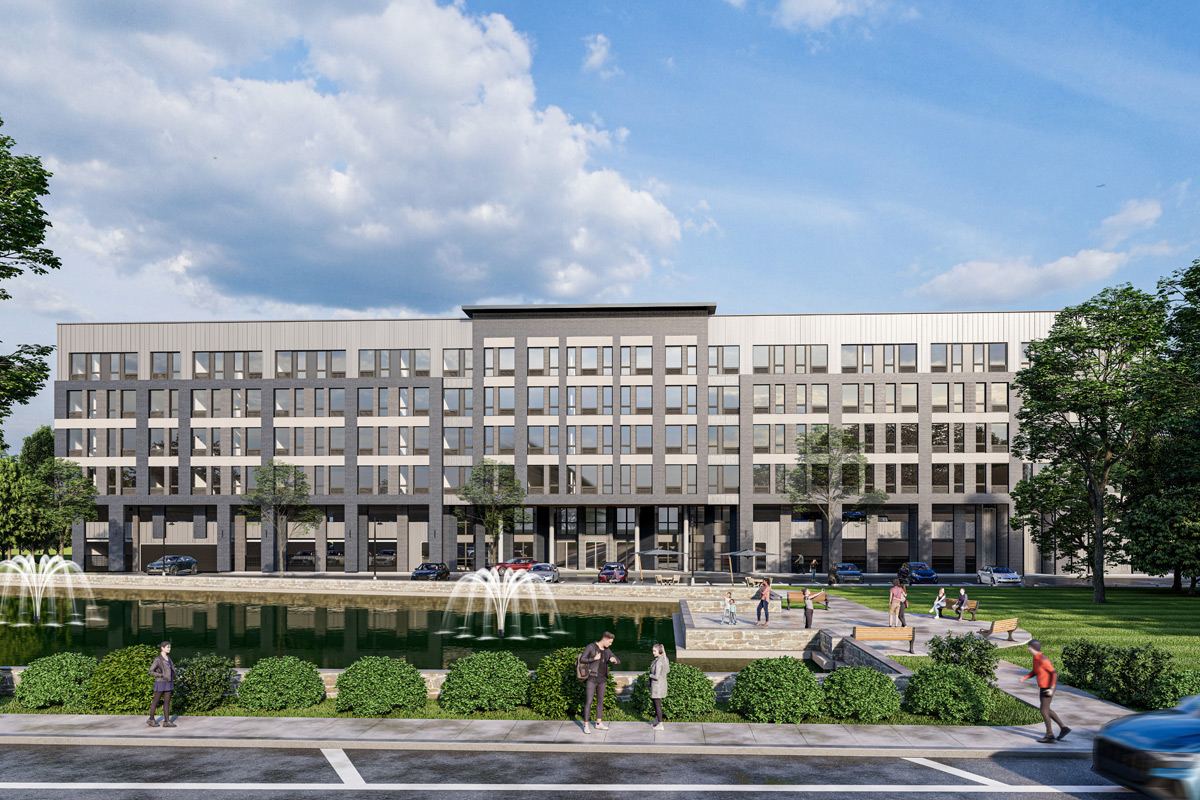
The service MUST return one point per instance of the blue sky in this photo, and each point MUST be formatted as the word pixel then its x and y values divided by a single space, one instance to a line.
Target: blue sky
pixel 219 160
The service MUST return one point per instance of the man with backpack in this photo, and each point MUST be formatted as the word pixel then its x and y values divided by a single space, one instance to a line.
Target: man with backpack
pixel 592 668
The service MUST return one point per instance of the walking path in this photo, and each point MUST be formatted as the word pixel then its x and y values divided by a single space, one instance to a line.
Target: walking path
pixel 487 735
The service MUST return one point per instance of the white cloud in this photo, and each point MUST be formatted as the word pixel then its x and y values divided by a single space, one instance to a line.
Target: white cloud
pixel 280 157
pixel 598 56
pixel 1000 282
pixel 817 15
pixel 738 4
pixel 1134 216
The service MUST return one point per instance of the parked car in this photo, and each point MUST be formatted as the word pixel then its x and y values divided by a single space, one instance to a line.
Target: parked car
pixel 431 571
pixel 845 573
pixel 304 557
pixel 613 572
pixel 916 572
pixel 173 565
pixel 335 556
pixel 385 557
pixel 547 573
pixel 1000 576
pixel 854 516
pixel 516 563
pixel 1156 753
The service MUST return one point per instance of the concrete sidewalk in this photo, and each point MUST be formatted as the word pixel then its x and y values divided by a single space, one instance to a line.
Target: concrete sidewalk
pixel 487 735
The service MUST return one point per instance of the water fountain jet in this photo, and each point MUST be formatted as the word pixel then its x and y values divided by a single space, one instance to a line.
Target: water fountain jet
pixel 31 582
pixel 502 596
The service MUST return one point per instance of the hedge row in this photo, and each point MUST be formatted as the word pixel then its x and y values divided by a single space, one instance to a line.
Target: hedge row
pixel 1138 676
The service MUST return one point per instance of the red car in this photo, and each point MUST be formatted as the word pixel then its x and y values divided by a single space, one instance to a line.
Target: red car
pixel 613 573
pixel 516 563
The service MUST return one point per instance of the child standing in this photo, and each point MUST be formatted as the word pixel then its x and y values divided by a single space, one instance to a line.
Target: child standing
pixel 729 617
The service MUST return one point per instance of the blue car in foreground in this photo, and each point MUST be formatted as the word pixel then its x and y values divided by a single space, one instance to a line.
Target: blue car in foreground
pixel 1156 753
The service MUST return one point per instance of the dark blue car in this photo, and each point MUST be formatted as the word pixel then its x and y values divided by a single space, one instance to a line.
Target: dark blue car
pixel 916 572
pixel 173 565
pixel 431 571
pixel 845 573
pixel 1156 753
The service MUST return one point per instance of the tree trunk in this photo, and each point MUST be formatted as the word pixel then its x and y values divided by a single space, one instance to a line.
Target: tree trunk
pixel 1192 588
pixel 826 544
pixel 1098 546
pixel 1177 584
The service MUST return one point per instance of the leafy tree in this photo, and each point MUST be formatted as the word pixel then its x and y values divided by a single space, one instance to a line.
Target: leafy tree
pixel 279 500
pixel 1052 505
pixel 1161 488
pixel 38 449
pixel 18 497
pixel 65 496
pixel 829 475
pixel 495 498
pixel 23 226
pixel 1083 395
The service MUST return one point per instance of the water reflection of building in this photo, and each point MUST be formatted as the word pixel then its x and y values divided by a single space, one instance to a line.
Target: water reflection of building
pixel 634 427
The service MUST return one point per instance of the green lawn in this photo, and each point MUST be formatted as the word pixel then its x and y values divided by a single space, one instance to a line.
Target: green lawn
pixel 1058 615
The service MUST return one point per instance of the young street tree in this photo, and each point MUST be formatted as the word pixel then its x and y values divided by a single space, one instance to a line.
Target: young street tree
pixel 828 476
pixel 1053 506
pixel 23 226
pixel 495 499
pixel 65 496
pixel 1084 395
pixel 279 500
pixel 18 497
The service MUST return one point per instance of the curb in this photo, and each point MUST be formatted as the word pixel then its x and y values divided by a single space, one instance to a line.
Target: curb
pixel 551 747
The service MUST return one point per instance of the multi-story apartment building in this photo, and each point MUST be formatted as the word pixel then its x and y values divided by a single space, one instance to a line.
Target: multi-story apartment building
pixel 632 426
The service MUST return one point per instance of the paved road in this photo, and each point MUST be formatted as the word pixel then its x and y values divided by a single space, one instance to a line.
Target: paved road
pixel 151 772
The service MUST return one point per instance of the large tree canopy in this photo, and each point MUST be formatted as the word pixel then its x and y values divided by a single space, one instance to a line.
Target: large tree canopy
pixel 495 498
pixel 23 226
pixel 1084 394
pixel 279 500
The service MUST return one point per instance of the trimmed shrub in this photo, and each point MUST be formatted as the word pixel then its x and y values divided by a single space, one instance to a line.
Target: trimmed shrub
pixel 1130 672
pixel 776 690
pixel 57 680
pixel 974 653
pixel 860 693
pixel 121 682
pixel 690 694
pixel 1172 686
pixel 280 682
pixel 1083 664
pixel 485 681
pixel 374 685
pixel 203 682
pixel 950 693
pixel 555 691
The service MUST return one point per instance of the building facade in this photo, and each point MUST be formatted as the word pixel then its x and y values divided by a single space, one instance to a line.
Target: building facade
pixel 633 427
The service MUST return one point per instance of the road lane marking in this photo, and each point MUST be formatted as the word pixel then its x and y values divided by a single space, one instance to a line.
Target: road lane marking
pixel 961 773
pixel 345 770
pixel 589 788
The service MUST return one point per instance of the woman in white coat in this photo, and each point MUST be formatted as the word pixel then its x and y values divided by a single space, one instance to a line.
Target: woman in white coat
pixel 658 682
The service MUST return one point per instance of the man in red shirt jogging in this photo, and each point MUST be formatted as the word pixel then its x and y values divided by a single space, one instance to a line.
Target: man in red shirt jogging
pixel 1047 678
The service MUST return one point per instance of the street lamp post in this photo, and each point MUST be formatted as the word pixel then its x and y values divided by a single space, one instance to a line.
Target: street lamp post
pixel 374 552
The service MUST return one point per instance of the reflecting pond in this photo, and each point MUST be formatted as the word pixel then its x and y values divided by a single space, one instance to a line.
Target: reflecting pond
pixel 331 631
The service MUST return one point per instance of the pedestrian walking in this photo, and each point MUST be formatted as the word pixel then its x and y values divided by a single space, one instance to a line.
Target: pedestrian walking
pixel 808 608
pixel 764 595
pixel 903 605
pixel 812 568
pixel 939 603
pixel 658 682
pixel 960 605
pixel 729 612
pixel 596 657
pixel 895 598
pixel 1047 680
pixel 163 672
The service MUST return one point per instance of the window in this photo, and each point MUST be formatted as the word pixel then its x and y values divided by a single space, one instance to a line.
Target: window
pixel 868 438
pixel 458 402
pixel 103 366
pixel 940 478
pixel 680 399
pixel 981 397
pixel 723 439
pixel 984 357
pixel 959 392
pixel 762 398
pixel 941 397
pixel 420 406
pixel 812 358
pixel 723 479
pixel 283 402
pixel 337 441
pixel 366 402
pixel 960 437
pixel 542 361
pixel 959 484
pixel 801 398
pixel 820 398
pixel 999 479
pixel 850 398
pixel 910 475
pixel 1024 354
pixel 762 438
pixel 998 360
pixel 220 366
pixel 940 437
pixel 908 397
pixel 645 479
pixel 889 437
pixel 981 435
pixel 999 396
pixel 497 401
pixel 166 366
pixel 456 362
pixel 366 441
pixel 910 433
pixel 999 437
pixel 457 441
pixel 499 361
pixel 310 364
pixel 937 358
pixel 681 359
pixel 723 360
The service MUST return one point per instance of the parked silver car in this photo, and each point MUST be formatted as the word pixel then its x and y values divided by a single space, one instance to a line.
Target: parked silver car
pixel 547 573
pixel 1000 576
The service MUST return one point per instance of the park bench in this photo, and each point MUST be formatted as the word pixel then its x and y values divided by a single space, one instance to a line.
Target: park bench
pixel 886 635
pixel 751 581
pixel 1000 626
pixel 798 597
pixel 972 607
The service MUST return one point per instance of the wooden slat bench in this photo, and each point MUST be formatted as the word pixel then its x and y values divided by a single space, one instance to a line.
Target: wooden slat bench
pixel 886 635
pixel 1001 626
pixel 798 597
pixel 752 581
pixel 972 607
